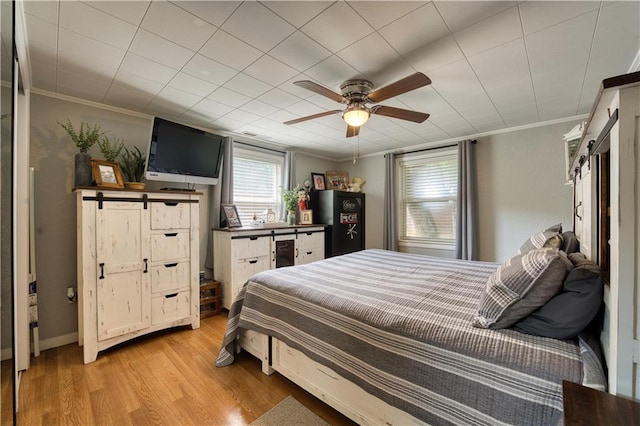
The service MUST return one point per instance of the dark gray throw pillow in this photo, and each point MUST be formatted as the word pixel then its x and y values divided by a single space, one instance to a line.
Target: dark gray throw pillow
pixel 571 310
pixel 570 243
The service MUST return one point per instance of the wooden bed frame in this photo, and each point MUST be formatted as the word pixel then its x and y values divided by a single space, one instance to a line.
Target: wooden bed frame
pixel 322 382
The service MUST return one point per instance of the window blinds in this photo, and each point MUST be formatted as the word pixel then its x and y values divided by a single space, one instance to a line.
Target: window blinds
pixel 429 188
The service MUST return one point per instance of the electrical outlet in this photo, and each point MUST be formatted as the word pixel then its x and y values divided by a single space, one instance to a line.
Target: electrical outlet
pixel 72 295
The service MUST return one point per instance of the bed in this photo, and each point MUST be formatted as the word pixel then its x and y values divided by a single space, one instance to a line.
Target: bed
pixel 393 337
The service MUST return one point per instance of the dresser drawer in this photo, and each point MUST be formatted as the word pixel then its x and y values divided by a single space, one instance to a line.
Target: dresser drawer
pixel 245 269
pixel 310 240
pixel 169 246
pixel 170 215
pixel 169 276
pixel 244 248
pixel 170 307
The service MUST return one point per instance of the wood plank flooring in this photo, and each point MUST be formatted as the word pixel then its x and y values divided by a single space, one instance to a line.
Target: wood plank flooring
pixel 168 378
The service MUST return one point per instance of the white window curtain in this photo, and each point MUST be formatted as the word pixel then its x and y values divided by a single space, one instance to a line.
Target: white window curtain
pixel 427 185
pixel 257 178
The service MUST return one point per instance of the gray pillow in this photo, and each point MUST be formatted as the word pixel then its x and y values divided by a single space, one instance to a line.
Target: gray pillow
pixel 570 243
pixel 570 311
pixel 550 237
pixel 520 286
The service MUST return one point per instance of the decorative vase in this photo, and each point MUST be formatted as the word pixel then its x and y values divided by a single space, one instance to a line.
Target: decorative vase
pixel 82 169
pixel 291 217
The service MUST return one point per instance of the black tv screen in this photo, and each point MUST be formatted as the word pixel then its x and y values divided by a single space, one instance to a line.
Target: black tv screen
pixel 179 153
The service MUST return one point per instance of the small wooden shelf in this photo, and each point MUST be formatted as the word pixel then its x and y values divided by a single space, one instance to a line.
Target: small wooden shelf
pixel 210 298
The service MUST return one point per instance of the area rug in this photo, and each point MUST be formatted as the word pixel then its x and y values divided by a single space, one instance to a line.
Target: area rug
pixel 289 412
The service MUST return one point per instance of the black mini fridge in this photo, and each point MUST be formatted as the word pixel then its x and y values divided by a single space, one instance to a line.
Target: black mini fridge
pixel 344 213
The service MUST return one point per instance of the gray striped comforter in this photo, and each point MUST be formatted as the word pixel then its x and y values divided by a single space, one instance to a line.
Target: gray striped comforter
pixel 399 326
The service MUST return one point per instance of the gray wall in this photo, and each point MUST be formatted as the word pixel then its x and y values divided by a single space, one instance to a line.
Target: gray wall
pixel 520 179
pixel 52 156
pixel 521 187
pixel 521 190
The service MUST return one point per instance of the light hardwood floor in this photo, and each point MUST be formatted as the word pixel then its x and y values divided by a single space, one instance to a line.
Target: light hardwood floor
pixel 168 378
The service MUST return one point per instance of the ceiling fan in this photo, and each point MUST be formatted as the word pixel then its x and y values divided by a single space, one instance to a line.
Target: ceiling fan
pixel 358 93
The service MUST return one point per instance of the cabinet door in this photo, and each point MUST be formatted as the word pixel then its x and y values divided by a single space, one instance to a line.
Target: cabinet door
pixel 124 284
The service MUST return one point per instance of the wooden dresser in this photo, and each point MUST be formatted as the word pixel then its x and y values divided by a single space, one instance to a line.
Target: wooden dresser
pixel 137 265
pixel 239 253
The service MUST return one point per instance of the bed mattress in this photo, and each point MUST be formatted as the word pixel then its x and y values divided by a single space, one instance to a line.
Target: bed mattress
pixel 400 326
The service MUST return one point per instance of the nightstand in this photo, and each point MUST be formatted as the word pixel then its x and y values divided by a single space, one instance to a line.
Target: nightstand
pixel 210 298
pixel 586 406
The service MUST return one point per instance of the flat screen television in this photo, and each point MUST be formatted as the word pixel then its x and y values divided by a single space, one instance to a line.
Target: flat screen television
pixel 178 153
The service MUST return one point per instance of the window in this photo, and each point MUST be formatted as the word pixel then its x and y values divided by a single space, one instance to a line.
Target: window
pixel 257 178
pixel 428 195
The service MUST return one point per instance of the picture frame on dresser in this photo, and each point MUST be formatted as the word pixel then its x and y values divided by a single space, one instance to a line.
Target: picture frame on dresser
pixel 231 219
pixel 306 217
pixel 107 174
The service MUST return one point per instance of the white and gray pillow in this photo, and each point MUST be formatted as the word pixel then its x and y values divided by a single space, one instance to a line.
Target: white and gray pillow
pixel 550 237
pixel 520 286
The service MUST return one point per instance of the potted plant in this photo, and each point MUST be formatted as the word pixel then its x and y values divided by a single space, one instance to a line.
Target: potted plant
pixel 84 139
pixel 132 165
pixel 110 150
pixel 290 198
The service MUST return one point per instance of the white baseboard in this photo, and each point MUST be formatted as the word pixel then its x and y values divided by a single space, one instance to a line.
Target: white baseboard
pixel 45 344
pixel 5 354
pixel 54 342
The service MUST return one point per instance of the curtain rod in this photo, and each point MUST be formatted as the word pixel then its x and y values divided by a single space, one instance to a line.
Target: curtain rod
pixel 474 141
pixel 259 147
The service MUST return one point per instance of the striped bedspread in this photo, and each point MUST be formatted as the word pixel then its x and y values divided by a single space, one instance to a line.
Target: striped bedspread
pixel 399 326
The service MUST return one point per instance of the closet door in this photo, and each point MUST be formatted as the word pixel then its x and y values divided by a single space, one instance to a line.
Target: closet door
pixel 124 284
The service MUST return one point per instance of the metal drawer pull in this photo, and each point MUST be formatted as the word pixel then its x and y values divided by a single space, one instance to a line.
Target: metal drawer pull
pixel 253 238
pixel 171 234
pixel 309 252
pixel 146 266
pixel 253 261
pixel 171 265
pixel 169 296
pixel 172 204
pixel 101 271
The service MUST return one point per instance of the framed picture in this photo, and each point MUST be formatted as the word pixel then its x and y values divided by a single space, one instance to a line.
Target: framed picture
pixel 318 181
pixel 337 180
pixel 107 174
pixel 231 216
pixel 306 217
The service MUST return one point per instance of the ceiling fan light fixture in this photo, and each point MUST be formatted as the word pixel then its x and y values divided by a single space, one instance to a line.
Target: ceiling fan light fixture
pixel 356 115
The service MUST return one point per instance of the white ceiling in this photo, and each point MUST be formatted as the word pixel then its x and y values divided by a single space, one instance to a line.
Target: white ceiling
pixel 230 66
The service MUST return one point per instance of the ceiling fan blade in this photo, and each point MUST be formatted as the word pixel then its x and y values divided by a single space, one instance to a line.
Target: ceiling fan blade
pixel 352 131
pixel 320 90
pixel 311 117
pixel 403 114
pixel 407 84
